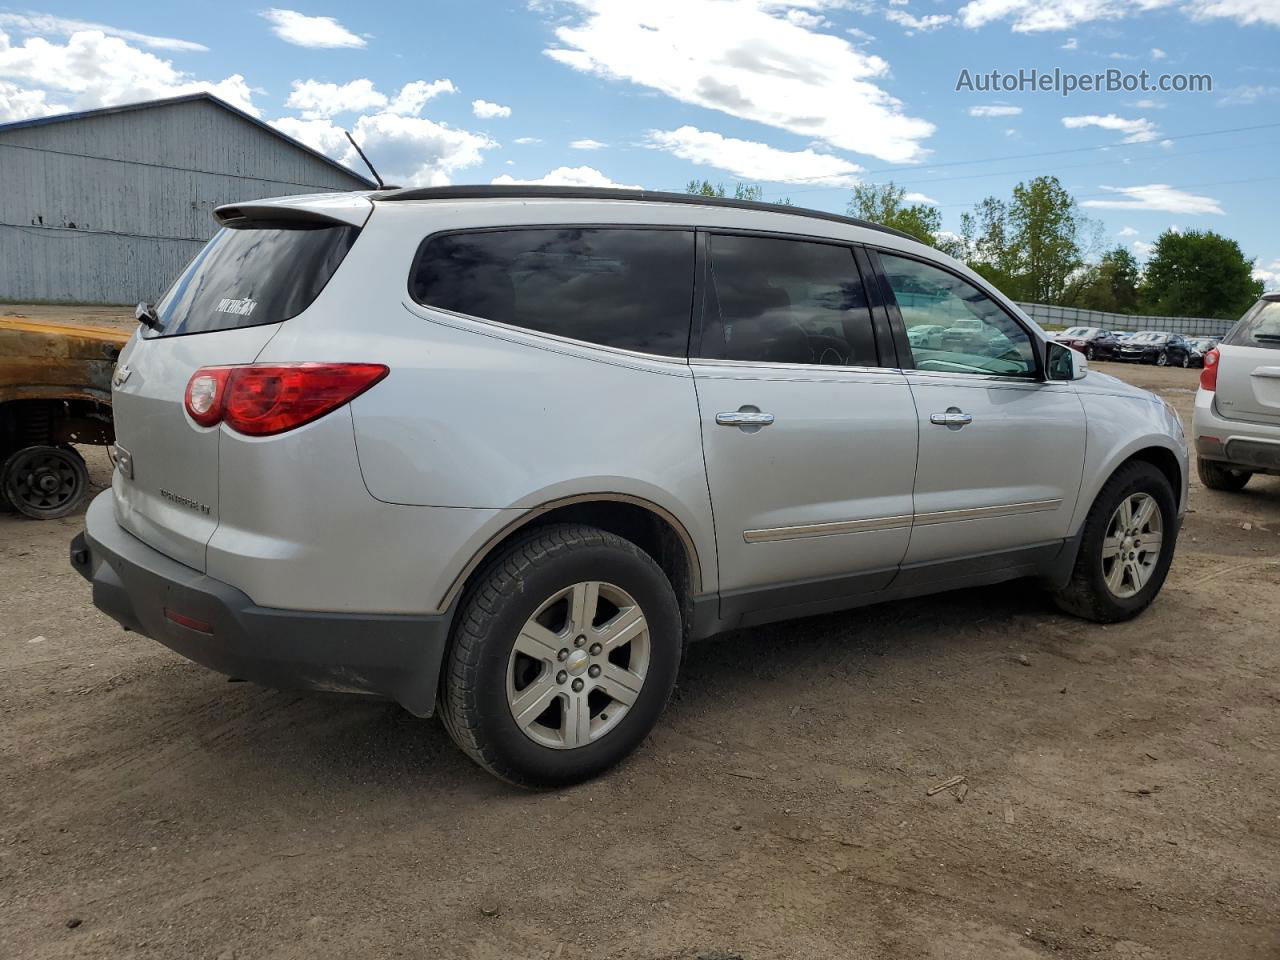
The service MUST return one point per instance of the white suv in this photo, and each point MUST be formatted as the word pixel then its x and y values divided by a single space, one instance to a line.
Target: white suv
pixel 1237 419
pixel 511 448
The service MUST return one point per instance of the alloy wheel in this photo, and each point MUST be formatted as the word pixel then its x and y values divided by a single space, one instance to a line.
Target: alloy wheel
pixel 1131 547
pixel 578 665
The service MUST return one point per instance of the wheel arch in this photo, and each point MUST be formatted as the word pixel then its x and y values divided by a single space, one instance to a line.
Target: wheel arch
pixel 653 528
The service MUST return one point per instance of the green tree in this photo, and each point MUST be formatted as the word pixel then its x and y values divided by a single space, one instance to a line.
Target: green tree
pixel 1031 245
pixel 1198 274
pixel 1111 284
pixel 741 191
pixel 885 204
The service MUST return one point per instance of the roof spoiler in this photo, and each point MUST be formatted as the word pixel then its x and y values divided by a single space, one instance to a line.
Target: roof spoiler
pixel 323 209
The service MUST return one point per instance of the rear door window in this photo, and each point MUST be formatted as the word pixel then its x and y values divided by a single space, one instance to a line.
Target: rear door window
pixel 249 276
pixel 786 301
pixel 1260 327
pixel 618 287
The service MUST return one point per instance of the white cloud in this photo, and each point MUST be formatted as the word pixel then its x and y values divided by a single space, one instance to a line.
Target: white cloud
pixel 994 110
pixel 569 177
pixel 524 140
pixel 409 101
pixel 919 198
pixel 1143 249
pixel 315 32
pixel 317 100
pixel 1127 232
pixel 587 144
pixel 933 21
pixel 1158 54
pixel 1157 197
pixel 411 151
pixel 41 24
pixel 19 104
pixel 749 62
pixel 749 160
pixel 1248 94
pixel 1269 275
pixel 486 110
pixel 859 34
pixel 1139 130
pixel 1242 11
pixel 1071 44
pixel 1031 16
pixel 92 69
pixel 1150 104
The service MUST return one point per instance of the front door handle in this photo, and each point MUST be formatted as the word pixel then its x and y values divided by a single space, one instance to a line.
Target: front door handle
pixel 744 418
pixel 952 418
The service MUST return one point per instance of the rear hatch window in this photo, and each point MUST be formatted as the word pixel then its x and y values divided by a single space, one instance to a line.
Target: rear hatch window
pixel 1260 327
pixel 248 276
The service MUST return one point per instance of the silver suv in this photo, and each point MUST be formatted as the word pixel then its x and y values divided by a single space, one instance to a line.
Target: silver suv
pixel 510 449
pixel 1237 418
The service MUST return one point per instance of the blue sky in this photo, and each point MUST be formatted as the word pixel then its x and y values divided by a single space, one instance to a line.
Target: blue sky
pixel 804 97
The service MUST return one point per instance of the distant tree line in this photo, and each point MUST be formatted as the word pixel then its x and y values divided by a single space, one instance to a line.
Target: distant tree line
pixel 1038 247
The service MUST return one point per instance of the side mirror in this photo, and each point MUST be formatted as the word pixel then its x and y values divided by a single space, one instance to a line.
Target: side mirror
pixel 1063 363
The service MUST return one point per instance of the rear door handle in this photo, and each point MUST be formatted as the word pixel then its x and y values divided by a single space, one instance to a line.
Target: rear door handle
pixel 952 418
pixel 1269 372
pixel 744 418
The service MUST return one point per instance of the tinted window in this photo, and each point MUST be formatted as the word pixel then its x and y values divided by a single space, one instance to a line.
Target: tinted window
pixel 619 288
pixel 977 335
pixel 250 276
pixel 1260 327
pixel 786 301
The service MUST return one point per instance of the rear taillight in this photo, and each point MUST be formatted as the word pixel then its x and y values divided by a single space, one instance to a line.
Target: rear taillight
pixel 264 399
pixel 1209 375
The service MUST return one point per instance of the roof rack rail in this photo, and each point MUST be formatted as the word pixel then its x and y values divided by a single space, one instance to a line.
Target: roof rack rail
pixel 514 191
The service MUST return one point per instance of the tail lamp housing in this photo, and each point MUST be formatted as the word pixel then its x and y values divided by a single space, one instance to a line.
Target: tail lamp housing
pixel 264 399
pixel 1209 375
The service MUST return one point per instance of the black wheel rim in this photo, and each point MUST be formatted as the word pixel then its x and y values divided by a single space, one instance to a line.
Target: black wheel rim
pixel 44 481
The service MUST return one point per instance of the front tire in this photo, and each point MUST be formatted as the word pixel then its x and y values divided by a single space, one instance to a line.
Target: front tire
pixel 1220 476
pixel 564 655
pixel 1126 547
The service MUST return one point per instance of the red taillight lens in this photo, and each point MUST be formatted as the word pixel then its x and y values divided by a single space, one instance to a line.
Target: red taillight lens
pixel 1209 375
pixel 264 399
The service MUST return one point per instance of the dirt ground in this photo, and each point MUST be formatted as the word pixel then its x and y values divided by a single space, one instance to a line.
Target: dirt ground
pixel 1122 788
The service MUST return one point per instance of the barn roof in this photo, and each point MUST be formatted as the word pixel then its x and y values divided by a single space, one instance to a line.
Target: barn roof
pixel 187 98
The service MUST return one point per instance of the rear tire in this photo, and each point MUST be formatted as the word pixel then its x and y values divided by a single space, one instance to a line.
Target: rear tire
pixel 1220 476
pixel 563 656
pixel 1111 537
pixel 44 482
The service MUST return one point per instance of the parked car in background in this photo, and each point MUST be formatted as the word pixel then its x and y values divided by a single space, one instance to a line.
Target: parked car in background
pixel 327 487
pixel 1150 346
pixel 927 335
pixel 1094 342
pixel 1199 347
pixel 1236 425
pixel 55 391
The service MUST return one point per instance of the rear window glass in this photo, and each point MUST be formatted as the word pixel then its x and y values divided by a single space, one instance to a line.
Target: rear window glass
pixel 616 287
pixel 248 276
pixel 1260 327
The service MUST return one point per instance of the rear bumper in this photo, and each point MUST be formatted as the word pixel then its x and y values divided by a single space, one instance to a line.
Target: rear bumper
pixel 392 656
pixel 1252 446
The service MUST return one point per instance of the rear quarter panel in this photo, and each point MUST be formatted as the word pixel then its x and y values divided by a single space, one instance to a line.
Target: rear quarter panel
pixel 477 416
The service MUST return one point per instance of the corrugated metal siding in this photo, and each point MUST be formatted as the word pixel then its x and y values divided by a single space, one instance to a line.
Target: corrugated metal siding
pixel 109 209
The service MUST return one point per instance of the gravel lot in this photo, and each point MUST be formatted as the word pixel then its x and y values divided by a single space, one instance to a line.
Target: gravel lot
pixel 1122 787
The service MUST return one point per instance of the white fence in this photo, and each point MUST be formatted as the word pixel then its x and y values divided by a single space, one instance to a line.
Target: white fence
pixel 1074 317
